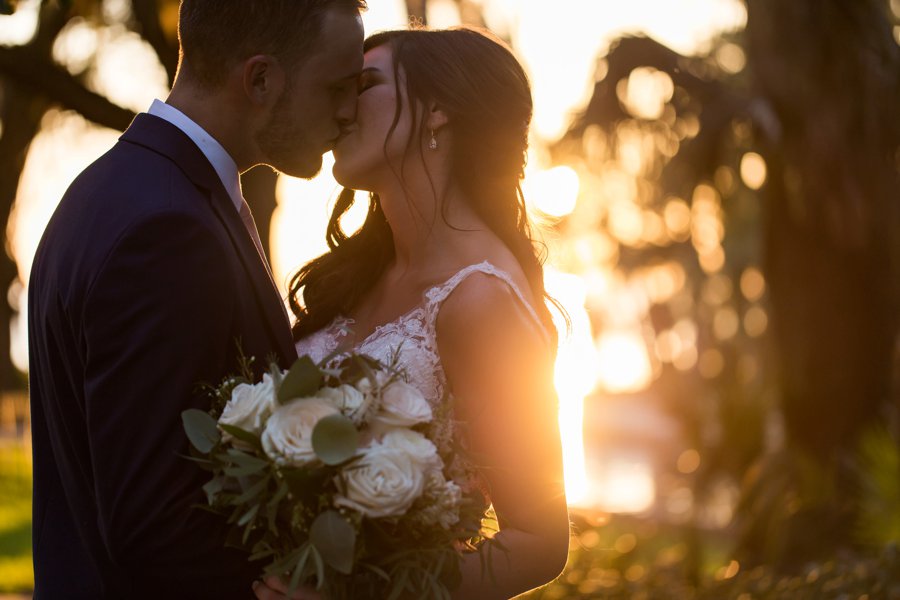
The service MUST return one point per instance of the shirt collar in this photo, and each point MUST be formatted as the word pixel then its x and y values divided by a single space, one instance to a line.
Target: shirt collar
pixel 221 161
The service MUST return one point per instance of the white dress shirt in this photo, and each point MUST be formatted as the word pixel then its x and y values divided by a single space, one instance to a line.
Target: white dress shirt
pixel 213 151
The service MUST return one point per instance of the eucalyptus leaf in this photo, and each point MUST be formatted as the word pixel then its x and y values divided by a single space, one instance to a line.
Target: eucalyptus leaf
pixel 243 470
pixel 277 375
pixel 282 565
pixel 378 571
pixel 212 488
pixel 272 506
pixel 248 516
pixel 335 539
pixel 303 379
pixel 335 439
pixel 244 464
pixel 279 494
pixel 201 429
pixel 242 435
pixel 253 491
pixel 320 568
pixel 262 553
pixel 242 458
pixel 298 570
pixel 398 585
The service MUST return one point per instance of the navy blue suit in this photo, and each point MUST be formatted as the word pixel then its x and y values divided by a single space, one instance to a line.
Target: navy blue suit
pixel 144 283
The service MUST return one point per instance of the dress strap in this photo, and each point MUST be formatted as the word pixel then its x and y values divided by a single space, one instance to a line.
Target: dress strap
pixel 435 296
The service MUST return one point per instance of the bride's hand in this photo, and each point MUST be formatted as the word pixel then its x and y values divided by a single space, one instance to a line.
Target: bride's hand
pixel 272 588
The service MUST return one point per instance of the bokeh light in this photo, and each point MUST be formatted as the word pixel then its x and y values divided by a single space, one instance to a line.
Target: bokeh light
pixel 553 191
pixel 753 170
pixel 622 361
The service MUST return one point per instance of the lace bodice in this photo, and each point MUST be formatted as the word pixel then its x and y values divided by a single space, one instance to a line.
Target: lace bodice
pixel 411 335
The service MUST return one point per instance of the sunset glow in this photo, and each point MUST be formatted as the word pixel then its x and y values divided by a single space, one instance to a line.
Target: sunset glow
pixel 554 191
pixel 575 377
pixel 624 484
pixel 622 362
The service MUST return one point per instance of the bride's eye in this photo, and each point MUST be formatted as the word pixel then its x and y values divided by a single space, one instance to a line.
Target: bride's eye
pixel 365 82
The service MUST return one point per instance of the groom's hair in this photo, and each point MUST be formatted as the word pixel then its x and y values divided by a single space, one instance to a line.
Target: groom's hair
pixel 214 35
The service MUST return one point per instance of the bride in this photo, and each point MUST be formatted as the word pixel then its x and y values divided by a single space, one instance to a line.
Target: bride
pixel 445 270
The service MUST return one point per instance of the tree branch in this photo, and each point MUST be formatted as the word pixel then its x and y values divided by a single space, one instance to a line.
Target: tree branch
pixel 147 14
pixel 32 70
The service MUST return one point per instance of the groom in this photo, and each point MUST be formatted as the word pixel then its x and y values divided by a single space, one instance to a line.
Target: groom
pixel 149 275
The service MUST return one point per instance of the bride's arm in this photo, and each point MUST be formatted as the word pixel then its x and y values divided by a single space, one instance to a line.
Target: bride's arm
pixel 501 372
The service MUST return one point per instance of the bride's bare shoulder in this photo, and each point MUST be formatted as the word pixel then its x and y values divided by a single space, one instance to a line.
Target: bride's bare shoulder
pixel 486 304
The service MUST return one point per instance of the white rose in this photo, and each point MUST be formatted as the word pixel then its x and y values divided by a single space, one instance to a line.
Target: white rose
pixel 416 445
pixel 249 406
pixel 383 483
pixel 365 386
pixel 287 438
pixel 402 405
pixel 349 400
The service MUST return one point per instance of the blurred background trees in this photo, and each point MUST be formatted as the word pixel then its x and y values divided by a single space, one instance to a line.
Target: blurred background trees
pixel 779 181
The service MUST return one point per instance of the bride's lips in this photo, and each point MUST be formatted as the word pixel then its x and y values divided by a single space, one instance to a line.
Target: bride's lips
pixel 338 141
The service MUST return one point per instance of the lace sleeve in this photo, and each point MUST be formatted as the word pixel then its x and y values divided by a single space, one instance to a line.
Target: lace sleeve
pixel 436 296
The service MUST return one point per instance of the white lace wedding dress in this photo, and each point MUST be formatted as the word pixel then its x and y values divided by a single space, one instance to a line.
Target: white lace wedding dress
pixel 414 335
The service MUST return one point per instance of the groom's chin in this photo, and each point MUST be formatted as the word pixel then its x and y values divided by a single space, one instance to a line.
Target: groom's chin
pixel 305 167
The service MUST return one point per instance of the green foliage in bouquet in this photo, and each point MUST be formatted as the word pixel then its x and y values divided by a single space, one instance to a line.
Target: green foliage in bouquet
pixel 289 456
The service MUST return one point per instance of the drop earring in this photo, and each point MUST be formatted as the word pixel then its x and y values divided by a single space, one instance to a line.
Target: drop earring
pixel 432 145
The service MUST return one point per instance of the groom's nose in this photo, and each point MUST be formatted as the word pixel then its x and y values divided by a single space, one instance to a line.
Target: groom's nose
pixel 346 110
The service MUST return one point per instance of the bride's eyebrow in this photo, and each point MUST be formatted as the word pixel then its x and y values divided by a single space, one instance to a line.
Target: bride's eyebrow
pixel 368 76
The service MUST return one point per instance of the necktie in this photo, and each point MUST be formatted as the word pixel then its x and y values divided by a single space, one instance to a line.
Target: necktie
pixel 250 224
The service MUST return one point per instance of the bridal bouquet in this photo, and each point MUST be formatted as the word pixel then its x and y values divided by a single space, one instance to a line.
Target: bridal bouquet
pixel 338 478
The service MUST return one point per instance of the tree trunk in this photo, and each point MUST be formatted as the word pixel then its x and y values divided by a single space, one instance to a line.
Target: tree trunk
pixel 830 70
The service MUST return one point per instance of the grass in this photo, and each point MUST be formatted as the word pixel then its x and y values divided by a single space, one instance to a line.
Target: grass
pixel 626 558
pixel 16 571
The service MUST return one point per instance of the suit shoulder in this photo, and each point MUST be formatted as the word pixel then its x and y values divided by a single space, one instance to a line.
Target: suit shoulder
pixel 134 178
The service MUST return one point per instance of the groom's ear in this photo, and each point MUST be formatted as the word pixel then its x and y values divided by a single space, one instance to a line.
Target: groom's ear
pixel 263 79
pixel 437 118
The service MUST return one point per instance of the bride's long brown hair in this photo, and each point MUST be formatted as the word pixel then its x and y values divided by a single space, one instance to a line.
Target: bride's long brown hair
pixel 475 79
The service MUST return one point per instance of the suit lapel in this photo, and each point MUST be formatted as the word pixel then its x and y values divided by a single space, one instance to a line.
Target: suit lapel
pixel 270 302
pixel 162 137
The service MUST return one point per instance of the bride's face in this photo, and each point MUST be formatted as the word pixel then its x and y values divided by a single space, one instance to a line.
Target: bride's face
pixel 369 155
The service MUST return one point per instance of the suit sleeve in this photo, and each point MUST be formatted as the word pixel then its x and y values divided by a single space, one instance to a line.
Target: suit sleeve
pixel 156 324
